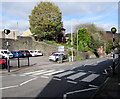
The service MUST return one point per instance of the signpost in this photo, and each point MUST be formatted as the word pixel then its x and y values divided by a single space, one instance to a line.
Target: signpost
pixel 61 48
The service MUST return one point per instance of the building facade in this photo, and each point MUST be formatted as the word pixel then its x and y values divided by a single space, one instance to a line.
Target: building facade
pixel 12 35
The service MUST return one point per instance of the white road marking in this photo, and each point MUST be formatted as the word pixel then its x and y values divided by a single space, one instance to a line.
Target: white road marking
pixel 110 67
pixel 93 86
pixel 54 72
pixel 119 84
pixel 23 75
pixel 77 91
pixel 28 81
pixel 64 74
pixel 9 87
pixel 43 72
pixel 72 82
pixel 44 77
pixel 90 78
pixel 75 76
pixel 33 72
pixel 56 79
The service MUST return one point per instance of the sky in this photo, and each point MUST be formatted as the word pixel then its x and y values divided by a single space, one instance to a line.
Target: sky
pixel 14 14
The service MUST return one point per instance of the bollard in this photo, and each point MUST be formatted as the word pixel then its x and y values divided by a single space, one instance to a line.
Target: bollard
pixel 28 62
pixel 18 63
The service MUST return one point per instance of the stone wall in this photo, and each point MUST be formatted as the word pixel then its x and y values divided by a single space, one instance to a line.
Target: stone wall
pixel 28 43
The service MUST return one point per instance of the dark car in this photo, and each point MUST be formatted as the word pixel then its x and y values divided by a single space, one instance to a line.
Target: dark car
pixel 17 54
pixel 25 53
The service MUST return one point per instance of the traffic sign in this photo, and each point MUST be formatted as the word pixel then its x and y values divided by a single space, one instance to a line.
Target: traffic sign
pixel 60 48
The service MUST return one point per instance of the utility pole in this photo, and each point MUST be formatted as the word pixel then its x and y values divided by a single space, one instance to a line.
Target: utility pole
pixel 71 42
pixel 77 42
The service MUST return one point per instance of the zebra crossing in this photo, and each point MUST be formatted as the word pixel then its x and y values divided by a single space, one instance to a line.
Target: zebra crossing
pixel 69 75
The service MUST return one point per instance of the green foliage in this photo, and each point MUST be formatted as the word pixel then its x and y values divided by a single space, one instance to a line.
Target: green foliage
pixel 84 40
pixel 50 42
pixel 70 53
pixel 45 20
pixel 79 58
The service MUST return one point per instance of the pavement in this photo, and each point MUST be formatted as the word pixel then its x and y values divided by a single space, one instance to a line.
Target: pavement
pixel 111 88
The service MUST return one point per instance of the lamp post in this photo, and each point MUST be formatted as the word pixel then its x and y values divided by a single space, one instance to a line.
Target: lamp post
pixel 113 30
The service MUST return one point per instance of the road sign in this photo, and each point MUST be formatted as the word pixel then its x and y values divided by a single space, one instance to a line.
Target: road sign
pixel 60 48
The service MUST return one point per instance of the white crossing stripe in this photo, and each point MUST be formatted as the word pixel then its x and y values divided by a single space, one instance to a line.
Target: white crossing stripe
pixel 90 78
pixel 64 74
pixel 54 72
pixel 75 76
pixel 33 72
pixel 43 72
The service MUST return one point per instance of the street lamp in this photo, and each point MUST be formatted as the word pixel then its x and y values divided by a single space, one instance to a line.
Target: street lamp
pixel 113 30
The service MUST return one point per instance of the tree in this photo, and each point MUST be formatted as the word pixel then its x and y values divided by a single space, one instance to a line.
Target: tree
pixel 45 20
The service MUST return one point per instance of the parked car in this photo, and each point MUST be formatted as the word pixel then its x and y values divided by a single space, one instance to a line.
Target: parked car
pixel 32 52
pixel 39 53
pixel 2 64
pixel 17 54
pixel 56 56
pixel 6 54
pixel 53 53
pixel 25 53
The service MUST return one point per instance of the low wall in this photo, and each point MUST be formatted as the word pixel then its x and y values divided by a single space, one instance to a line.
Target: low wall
pixel 29 43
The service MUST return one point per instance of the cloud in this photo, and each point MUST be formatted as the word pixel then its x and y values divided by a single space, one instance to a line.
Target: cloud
pixel 73 11
pixel 61 0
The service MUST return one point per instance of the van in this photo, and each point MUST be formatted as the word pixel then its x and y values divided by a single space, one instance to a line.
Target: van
pixel 6 54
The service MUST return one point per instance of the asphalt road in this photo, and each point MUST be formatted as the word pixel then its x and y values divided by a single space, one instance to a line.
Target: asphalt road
pixel 74 79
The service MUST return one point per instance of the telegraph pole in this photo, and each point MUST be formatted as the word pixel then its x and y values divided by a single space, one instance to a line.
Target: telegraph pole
pixel 71 42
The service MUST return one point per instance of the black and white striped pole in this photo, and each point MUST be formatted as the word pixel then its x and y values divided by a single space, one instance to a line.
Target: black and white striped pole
pixel 113 30
pixel 7 31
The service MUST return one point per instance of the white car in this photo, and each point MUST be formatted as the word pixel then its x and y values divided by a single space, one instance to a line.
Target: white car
pixel 6 54
pixel 56 56
pixel 39 53
pixel 32 52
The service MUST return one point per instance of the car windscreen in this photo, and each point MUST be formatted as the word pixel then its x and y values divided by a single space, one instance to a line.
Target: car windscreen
pixel 6 52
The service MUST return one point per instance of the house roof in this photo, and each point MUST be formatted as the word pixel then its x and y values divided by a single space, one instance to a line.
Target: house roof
pixel 27 33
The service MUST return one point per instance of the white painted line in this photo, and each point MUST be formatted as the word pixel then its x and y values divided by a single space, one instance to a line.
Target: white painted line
pixel 72 82
pixel 90 78
pixel 75 76
pixel 13 75
pixel 44 77
pixel 81 70
pixel 33 72
pixel 91 71
pixel 56 79
pixel 54 72
pixel 23 75
pixel 43 72
pixel 93 86
pixel 110 67
pixel 64 74
pixel 28 81
pixel 119 84
pixel 105 71
pixel 80 91
pixel 9 87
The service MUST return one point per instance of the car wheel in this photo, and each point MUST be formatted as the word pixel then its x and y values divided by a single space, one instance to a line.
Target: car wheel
pixel 56 60
pixel 3 66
